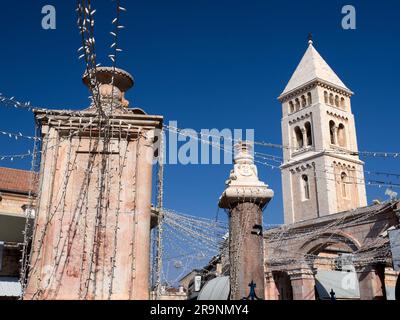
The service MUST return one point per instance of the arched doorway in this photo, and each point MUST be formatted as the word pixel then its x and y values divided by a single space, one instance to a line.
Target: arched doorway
pixel 283 285
pixel 331 261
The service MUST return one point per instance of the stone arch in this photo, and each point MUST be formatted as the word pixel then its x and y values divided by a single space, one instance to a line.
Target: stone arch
pixel 283 285
pixel 319 242
pixel 305 187
pixel 344 180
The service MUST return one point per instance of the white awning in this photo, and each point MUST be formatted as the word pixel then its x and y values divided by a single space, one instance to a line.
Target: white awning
pixel 215 289
pixel 10 287
pixel 343 283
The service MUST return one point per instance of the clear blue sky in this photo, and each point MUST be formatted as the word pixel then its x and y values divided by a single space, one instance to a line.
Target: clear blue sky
pixel 208 64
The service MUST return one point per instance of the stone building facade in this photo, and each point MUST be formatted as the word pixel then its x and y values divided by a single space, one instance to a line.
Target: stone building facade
pixel 15 202
pixel 331 238
pixel 296 254
pixel 321 173
pixel 332 245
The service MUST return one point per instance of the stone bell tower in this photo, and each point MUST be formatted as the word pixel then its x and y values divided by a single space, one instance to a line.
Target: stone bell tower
pixel 322 173
pixel 92 232
pixel 245 197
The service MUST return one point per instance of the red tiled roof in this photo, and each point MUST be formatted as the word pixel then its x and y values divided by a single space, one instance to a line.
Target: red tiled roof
pixel 15 180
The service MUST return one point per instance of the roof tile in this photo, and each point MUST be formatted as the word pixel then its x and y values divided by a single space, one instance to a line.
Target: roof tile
pixel 15 180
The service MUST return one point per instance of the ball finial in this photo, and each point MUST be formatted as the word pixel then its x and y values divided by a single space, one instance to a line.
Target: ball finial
pixel 310 39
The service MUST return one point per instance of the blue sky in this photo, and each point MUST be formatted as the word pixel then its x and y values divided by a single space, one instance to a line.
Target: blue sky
pixel 208 64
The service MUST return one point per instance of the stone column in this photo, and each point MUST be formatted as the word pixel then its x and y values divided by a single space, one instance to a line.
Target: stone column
pixel 303 284
pixel 335 137
pixel 245 197
pixel 371 283
pixel 271 289
pixel 391 277
pixel 143 216
pixel 304 133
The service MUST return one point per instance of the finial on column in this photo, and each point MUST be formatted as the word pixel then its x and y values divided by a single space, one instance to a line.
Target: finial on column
pixel 310 38
pixel 112 83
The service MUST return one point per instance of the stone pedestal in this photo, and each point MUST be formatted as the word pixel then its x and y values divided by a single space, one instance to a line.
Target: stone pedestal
pixel 245 197
pixel 92 233
pixel 303 284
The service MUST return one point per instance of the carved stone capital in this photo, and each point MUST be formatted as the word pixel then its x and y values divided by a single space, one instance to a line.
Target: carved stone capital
pixel 243 183
pixel 301 273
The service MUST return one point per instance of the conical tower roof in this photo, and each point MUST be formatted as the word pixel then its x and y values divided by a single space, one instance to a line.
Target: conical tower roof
pixel 313 67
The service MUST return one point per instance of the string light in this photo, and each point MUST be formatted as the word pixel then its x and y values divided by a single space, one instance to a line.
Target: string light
pixel 18 135
pixel 16 156
pixel 357 181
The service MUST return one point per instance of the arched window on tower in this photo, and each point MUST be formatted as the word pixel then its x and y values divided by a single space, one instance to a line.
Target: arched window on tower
pixel 343 103
pixel 299 137
pixel 291 107
pixel 332 131
pixel 297 104
pixel 305 186
pixel 341 135
pixel 307 126
pixel 337 101
pixel 309 98
pixel 303 101
pixel 343 184
pixel 331 99
pixel 326 97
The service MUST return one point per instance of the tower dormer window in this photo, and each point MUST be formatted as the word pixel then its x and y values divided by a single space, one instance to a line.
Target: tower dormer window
pixel 309 141
pixel 343 183
pixel 331 101
pixel 341 135
pixel 343 103
pixel 332 132
pixel 303 101
pixel 305 187
pixel 309 98
pixel 291 107
pixel 337 101
pixel 297 104
pixel 299 137
pixel 326 97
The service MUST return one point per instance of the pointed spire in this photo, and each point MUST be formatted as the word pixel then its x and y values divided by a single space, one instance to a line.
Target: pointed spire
pixel 313 67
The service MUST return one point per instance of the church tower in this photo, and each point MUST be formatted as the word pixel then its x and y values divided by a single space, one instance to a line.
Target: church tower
pixel 321 172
